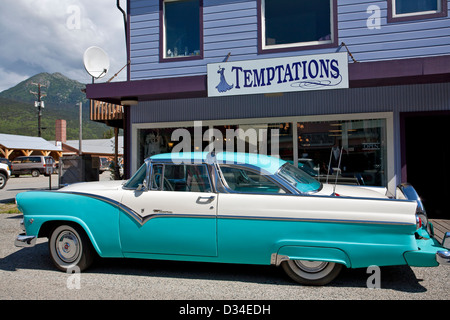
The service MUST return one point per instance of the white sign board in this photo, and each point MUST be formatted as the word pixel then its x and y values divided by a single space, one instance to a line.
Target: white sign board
pixel 301 73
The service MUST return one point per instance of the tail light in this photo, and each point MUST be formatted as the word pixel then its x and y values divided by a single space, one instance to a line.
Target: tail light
pixel 418 222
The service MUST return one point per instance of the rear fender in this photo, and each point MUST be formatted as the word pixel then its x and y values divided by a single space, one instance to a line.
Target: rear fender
pixel 312 254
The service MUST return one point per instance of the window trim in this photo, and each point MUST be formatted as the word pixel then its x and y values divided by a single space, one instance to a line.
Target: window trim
pixel 243 167
pixel 392 17
pixel 162 37
pixel 297 46
pixel 165 163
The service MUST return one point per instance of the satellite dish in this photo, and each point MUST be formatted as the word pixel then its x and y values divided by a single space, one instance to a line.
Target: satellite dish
pixel 96 62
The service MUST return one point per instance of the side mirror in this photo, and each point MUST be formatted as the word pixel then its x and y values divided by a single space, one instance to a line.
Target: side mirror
pixel 142 186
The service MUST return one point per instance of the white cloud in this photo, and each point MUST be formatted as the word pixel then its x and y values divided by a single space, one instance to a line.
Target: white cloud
pixel 52 35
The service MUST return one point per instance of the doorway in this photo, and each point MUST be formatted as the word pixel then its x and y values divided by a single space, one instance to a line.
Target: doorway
pixel 426 159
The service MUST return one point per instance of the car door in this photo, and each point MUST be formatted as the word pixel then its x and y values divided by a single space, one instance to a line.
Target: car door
pixel 175 215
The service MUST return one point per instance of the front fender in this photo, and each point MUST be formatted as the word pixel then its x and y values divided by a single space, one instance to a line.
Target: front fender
pixel 98 218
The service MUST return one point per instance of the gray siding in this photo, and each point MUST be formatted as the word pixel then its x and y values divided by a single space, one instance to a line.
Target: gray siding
pixel 408 98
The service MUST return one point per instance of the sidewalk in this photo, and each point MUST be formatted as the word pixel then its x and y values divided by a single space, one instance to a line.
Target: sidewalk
pixel 441 226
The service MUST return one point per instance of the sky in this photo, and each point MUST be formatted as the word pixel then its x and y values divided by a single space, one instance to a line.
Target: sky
pixel 52 35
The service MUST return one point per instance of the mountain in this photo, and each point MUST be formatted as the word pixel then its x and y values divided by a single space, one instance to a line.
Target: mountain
pixel 61 96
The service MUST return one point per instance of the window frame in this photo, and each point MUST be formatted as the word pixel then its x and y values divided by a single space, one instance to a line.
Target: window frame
pixel 262 48
pixel 393 17
pixel 246 168
pixel 162 35
pixel 164 164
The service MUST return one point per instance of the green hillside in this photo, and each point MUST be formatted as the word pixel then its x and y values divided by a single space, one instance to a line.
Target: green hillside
pixel 19 115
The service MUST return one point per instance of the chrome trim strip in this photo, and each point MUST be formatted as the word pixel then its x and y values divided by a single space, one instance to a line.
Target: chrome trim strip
pixel 133 214
pixel 276 259
pixel 142 220
pixel 315 220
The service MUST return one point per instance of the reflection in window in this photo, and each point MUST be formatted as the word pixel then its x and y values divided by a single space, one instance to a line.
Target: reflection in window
pixel 273 139
pixel 247 181
pixel 293 23
pixel 359 145
pixel 181 28
pixel 189 178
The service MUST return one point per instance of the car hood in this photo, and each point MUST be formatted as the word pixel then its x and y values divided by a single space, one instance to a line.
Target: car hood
pixel 109 189
pixel 353 191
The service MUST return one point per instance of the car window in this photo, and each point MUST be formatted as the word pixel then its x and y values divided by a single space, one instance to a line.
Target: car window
pixel 247 181
pixel 138 178
pixel 188 178
pixel 299 179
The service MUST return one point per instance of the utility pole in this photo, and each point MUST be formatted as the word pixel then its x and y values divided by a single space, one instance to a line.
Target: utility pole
pixel 39 104
pixel 80 152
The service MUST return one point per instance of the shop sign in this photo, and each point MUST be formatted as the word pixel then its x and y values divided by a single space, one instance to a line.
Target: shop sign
pixel 301 73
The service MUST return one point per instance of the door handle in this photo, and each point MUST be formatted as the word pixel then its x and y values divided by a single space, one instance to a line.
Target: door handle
pixel 205 200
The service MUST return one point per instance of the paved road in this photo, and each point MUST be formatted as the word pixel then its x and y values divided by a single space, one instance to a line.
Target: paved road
pixel 27 273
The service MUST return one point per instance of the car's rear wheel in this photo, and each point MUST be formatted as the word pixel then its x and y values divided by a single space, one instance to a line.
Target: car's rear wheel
pixel 313 273
pixel 35 173
pixel 70 247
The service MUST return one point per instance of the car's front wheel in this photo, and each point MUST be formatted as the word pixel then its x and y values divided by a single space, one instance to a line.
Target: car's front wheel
pixel 312 273
pixel 3 180
pixel 70 247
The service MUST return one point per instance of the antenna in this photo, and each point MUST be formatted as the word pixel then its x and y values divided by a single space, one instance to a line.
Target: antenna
pixel 337 171
pixel 96 62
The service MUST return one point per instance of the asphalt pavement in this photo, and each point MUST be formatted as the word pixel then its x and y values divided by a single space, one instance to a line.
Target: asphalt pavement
pixel 28 273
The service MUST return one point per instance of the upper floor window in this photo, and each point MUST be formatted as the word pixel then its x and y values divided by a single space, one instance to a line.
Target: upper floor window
pixel 300 24
pixel 181 29
pixel 404 10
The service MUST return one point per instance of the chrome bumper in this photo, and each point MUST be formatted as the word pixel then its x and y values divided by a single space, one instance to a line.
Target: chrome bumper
pixel 23 240
pixel 443 258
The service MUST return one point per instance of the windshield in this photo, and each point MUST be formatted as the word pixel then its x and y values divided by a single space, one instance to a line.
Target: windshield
pixel 299 179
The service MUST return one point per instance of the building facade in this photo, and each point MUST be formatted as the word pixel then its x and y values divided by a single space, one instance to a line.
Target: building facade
pixel 361 88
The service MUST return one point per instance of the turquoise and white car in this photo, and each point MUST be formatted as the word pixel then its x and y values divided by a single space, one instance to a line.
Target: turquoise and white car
pixel 232 208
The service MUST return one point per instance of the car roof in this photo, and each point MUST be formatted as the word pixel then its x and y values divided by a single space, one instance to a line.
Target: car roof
pixel 263 162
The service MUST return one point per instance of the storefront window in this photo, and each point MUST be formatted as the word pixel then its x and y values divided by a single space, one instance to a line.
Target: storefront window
pixel 154 141
pixel 354 150
pixel 273 139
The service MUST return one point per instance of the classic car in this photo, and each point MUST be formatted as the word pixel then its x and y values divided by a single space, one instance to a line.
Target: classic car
pixel 232 208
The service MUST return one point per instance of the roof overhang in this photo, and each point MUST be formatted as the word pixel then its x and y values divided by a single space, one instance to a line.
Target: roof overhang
pixel 364 74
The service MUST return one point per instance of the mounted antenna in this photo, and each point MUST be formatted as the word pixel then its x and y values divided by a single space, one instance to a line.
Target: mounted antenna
pixel 337 172
pixel 329 164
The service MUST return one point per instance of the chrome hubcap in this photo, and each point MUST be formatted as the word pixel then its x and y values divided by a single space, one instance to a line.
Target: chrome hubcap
pixel 68 246
pixel 311 266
